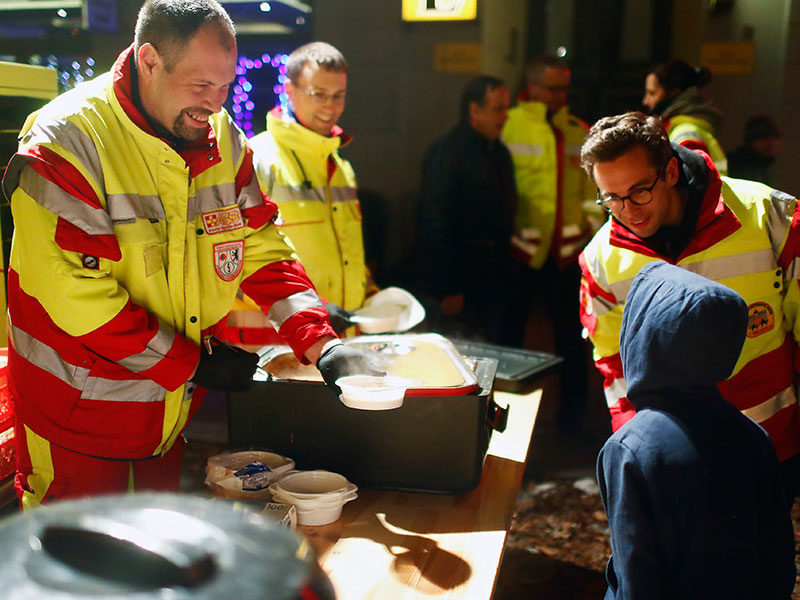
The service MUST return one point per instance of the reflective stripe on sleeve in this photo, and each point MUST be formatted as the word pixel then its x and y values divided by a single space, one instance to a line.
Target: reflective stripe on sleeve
pixel 70 137
pixel 282 310
pixel 616 392
pixel 92 388
pixel 769 408
pixel 94 221
pixel 250 195
pixel 157 348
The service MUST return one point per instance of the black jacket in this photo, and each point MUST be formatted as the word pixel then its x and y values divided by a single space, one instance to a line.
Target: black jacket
pixel 466 209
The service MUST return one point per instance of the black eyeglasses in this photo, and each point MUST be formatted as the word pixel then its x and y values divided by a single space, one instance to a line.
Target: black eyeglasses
pixel 641 197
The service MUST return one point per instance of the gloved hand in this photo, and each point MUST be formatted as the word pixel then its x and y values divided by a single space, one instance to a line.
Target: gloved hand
pixel 340 360
pixel 340 318
pixel 227 369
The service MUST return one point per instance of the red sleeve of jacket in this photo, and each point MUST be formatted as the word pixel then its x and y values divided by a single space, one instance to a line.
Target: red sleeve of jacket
pixel 128 334
pixel 278 282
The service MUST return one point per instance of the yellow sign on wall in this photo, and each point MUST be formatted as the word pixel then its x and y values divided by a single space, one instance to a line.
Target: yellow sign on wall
pixel 440 10
pixel 457 57
pixel 728 58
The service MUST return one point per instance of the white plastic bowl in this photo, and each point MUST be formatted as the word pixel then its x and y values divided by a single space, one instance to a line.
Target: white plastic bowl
pixel 378 318
pixel 312 484
pixel 318 496
pixel 367 392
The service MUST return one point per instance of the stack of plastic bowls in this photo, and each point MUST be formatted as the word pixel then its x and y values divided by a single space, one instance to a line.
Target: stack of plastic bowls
pixel 318 495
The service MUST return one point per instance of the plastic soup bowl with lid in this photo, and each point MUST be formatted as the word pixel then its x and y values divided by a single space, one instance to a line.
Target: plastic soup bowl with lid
pixel 367 392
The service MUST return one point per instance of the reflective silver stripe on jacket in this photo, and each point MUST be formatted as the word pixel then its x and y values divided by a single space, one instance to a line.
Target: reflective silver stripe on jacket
pixel 210 198
pixel 299 193
pixel 129 207
pixel 616 391
pixel 92 388
pixel 70 137
pixel 250 195
pixel 528 149
pixel 94 221
pixel 157 348
pixel 721 267
pixel 236 144
pixel 769 408
pixel 282 310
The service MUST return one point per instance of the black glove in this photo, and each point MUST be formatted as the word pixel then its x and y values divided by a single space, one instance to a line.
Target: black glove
pixel 226 368
pixel 341 360
pixel 340 318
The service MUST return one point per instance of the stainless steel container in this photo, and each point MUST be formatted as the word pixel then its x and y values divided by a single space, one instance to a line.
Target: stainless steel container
pixel 149 546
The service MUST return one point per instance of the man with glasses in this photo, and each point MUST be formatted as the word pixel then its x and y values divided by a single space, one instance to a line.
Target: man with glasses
pixel 298 165
pixel 669 203
pixel 551 225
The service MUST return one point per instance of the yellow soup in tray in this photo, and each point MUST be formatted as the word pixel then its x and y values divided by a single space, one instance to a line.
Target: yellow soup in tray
pixel 429 359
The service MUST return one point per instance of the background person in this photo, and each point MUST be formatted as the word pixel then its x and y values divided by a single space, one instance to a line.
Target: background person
pixel 669 203
pixel 691 486
pixel 551 225
pixel 299 167
pixel 137 218
pixel 762 143
pixel 672 91
pixel 465 218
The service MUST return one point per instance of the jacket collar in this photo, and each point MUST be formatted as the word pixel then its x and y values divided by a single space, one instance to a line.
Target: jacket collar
pixel 714 219
pixel 535 109
pixel 285 125
pixel 199 155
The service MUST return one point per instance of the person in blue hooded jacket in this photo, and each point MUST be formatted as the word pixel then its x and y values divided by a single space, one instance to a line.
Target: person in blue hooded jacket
pixel 691 486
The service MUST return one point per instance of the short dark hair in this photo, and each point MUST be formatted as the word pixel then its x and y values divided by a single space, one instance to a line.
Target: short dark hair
pixel 169 25
pixel 475 91
pixel 680 75
pixel 321 53
pixel 536 66
pixel 611 137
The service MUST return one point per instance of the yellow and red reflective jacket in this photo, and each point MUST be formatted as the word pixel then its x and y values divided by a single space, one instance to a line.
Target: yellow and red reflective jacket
pixel 552 187
pixel 127 254
pixel 747 237
pixel 697 134
pixel 315 190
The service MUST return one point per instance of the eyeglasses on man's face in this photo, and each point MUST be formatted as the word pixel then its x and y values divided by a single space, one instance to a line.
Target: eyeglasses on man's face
pixel 640 197
pixel 320 97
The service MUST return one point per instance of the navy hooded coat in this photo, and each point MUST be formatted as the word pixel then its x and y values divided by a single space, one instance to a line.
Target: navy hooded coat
pixel 690 485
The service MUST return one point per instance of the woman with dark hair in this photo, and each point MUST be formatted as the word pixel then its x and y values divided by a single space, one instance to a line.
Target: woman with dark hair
pixel 672 91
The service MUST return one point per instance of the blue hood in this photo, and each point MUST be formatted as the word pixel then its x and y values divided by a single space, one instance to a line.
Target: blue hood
pixel 680 331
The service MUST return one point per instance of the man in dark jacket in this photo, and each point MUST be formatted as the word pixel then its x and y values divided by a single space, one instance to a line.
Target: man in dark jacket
pixel 691 486
pixel 466 210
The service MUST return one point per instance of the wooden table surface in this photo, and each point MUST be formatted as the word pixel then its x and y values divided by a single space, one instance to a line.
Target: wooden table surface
pixel 401 545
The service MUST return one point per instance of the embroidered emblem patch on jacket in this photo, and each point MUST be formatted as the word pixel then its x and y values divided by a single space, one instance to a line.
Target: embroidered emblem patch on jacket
pixel 760 319
pixel 228 259
pixel 226 219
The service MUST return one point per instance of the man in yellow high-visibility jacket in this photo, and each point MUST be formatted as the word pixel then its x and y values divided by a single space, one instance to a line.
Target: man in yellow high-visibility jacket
pixel 299 167
pixel 670 203
pixel 137 218
pixel 552 225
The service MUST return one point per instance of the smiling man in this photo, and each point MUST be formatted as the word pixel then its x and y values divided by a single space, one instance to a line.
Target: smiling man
pixel 298 164
pixel 137 218
pixel 670 203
